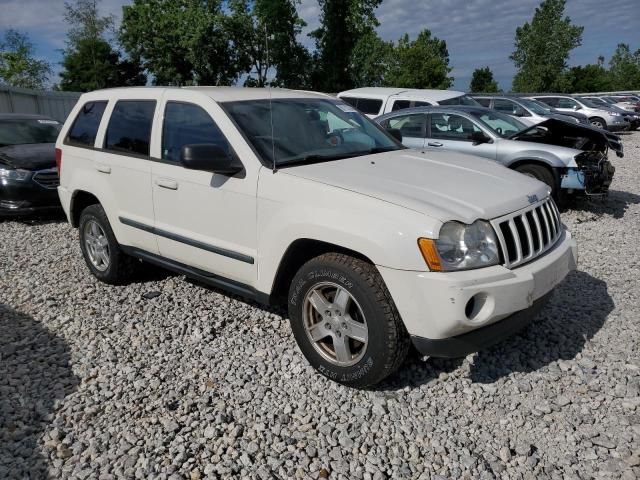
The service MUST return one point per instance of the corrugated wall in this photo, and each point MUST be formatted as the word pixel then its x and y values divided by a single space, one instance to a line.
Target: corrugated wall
pixel 56 105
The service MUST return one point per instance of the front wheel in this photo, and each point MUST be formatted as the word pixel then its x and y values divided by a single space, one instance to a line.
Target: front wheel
pixel 598 123
pixel 544 174
pixel 345 321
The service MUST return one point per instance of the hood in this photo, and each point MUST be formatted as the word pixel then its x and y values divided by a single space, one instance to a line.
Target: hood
pixel 35 156
pixel 443 185
pixel 569 113
pixel 571 135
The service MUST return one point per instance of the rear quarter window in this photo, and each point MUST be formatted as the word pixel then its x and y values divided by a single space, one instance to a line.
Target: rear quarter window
pixel 85 126
pixel 370 106
pixel 129 128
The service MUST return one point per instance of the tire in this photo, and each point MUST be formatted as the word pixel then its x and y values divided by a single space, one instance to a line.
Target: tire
pixel 100 249
pixel 364 311
pixel 543 174
pixel 598 122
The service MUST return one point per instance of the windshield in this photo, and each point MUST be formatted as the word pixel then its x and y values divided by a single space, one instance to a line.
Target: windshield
pixel 307 130
pixel 25 131
pixel 588 103
pixel 503 125
pixel 597 101
pixel 535 107
pixel 460 100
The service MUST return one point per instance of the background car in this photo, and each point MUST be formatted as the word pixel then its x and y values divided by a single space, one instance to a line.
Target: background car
pixel 625 102
pixel 28 175
pixel 629 116
pixel 565 156
pixel 599 117
pixel 376 101
pixel 528 111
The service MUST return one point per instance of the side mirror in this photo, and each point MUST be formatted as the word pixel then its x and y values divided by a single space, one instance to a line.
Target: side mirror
pixel 519 112
pixel 395 133
pixel 208 157
pixel 576 107
pixel 479 138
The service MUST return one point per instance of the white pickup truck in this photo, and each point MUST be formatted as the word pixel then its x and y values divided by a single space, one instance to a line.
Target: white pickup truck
pixel 296 198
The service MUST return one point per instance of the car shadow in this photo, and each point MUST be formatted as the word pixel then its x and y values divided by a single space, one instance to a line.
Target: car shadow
pixel 54 216
pixel 575 313
pixel 35 374
pixel 616 204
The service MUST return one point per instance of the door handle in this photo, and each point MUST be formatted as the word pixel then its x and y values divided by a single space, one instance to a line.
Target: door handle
pixel 434 144
pixel 167 183
pixel 103 168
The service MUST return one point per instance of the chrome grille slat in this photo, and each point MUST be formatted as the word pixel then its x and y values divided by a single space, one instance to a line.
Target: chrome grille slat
pixel 541 220
pixel 516 237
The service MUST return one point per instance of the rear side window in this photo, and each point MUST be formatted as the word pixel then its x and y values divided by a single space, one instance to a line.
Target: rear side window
pixel 85 126
pixel 186 124
pixel 129 128
pixel 400 105
pixel 370 106
pixel 485 102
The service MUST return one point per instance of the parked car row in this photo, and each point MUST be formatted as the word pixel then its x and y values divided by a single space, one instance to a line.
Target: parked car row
pixel 375 234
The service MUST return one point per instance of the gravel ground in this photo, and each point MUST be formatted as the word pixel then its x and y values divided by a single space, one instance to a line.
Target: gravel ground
pixel 164 378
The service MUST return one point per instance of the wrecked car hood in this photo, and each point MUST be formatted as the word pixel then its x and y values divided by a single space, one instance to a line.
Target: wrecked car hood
pixel 571 135
pixel 32 156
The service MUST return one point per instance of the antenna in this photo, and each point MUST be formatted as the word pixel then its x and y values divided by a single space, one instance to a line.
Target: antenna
pixel 273 142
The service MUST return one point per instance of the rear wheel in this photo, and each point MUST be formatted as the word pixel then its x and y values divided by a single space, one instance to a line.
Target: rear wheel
pixel 598 122
pixel 345 321
pixel 100 248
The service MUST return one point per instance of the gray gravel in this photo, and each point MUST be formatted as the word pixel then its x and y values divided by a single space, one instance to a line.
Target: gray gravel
pixel 164 378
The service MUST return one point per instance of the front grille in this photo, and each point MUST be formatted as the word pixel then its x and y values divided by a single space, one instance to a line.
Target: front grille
pixel 47 178
pixel 525 235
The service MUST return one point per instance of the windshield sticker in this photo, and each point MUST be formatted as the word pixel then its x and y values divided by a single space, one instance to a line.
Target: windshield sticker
pixel 346 107
pixel 48 122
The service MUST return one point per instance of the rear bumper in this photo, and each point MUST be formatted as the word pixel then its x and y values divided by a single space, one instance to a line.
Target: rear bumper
pixel 481 338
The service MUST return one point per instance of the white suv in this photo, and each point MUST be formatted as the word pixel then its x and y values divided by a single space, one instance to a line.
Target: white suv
pixel 294 197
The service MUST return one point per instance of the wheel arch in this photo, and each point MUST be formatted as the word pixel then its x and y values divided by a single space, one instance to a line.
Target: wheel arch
pixel 297 254
pixel 80 200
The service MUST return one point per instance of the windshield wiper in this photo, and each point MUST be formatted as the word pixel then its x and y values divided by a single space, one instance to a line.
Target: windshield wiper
pixel 312 159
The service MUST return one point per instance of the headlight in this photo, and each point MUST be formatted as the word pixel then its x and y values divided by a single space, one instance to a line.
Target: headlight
pixel 17 174
pixel 461 247
pixel 615 114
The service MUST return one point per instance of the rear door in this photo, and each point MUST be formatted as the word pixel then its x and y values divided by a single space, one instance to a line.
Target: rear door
pixel 450 131
pixel 123 160
pixel 203 219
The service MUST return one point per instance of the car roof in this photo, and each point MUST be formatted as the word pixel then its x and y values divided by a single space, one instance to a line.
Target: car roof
pixel 23 116
pixel 218 94
pixel 417 93
pixel 462 109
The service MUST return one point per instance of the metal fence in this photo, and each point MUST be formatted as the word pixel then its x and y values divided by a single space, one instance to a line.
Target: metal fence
pixel 56 105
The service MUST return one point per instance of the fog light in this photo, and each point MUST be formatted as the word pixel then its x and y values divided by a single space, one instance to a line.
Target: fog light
pixel 479 307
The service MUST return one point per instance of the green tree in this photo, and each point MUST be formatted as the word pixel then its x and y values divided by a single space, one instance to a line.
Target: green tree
pixel 264 35
pixel 482 81
pixel 587 78
pixel 421 63
pixel 342 24
pixel 181 42
pixel 371 59
pixel 18 66
pixel 542 48
pixel 90 62
pixel 624 68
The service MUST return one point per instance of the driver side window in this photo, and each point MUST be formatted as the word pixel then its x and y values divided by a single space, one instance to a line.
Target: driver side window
pixel 448 126
pixel 185 124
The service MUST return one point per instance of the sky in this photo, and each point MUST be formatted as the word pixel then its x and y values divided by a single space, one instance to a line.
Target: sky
pixel 478 32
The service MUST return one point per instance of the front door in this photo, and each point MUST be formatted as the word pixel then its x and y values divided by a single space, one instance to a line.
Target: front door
pixel 452 132
pixel 413 128
pixel 203 219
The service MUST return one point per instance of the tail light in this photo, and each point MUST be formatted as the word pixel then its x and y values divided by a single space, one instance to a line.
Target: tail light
pixel 59 160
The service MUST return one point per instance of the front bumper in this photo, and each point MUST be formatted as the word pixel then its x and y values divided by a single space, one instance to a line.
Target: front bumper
pixel 593 180
pixel 26 197
pixel 617 125
pixel 481 338
pixel 435 305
